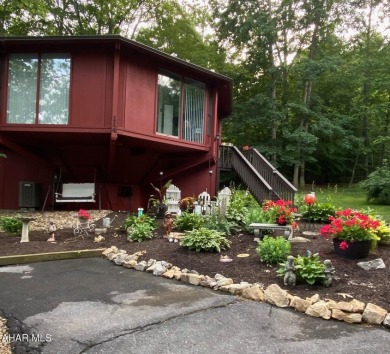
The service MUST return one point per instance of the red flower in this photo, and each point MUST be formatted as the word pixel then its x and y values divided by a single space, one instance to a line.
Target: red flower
pixel 280 210
pixel 343 245
pixel 349 225
pixel 84 214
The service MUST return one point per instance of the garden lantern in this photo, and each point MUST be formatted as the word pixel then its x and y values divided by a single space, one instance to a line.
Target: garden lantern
pixel 310 199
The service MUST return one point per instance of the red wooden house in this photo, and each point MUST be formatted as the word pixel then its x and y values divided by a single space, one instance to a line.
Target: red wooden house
pixel 109 111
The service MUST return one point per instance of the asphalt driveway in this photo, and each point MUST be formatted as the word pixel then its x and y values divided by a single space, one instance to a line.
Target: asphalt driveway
pixel 93 306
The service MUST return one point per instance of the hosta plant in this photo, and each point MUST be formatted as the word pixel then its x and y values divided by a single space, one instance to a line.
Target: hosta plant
pixel 204 239
pixel 273 249
pixel 11 224
pixel 308 269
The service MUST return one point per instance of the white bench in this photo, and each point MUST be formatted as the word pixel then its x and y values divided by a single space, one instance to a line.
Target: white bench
pixel 257 227
pixel 76 192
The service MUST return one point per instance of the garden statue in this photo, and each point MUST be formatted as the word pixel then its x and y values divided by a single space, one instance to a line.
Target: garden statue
pixel 168 224
pixel 290 277
pixel 329 272
pixel 51 230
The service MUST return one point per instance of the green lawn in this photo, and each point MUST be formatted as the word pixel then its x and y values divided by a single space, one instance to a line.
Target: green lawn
pixel 345 197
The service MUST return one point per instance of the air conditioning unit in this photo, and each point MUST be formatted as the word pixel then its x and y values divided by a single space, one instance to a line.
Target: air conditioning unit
pixel 30 195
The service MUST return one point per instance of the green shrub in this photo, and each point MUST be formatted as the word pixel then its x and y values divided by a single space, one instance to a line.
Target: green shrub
pixel 255 215
pixel 205 240
pixel 188 221
pixel 273 249
pixel 132 219
pixel 308 269
pixel 220 223
pixel 318 212
pixel 141 228
pixel 240 202
pixel 378 185
pixel 11 224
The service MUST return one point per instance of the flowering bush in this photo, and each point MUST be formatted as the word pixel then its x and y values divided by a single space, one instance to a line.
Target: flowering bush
pixel 280 211
pixel 350 225
pixel 83 214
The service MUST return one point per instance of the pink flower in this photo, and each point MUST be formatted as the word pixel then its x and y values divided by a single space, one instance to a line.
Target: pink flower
pixel 343 245
pixel 84 214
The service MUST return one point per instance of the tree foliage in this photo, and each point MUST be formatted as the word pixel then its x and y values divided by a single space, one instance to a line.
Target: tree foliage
pixel 311 78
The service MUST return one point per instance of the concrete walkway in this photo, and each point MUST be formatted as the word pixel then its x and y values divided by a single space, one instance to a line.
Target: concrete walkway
pixel 93 306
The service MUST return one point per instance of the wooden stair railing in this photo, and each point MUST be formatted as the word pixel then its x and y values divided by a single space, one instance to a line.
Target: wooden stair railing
pixel 282 187
pixel 260 177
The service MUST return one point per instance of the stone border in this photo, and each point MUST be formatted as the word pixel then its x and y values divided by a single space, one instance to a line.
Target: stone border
pixel 53 256
pixel 353 311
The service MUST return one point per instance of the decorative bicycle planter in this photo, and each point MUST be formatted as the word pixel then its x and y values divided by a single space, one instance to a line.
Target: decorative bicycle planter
pixel 83 227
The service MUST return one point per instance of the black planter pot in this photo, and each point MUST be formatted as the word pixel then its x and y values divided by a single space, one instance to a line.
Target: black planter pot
pixel 355 250
pixel 160 210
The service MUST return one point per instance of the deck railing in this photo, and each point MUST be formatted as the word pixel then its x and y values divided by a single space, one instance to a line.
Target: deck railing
pixel 262 179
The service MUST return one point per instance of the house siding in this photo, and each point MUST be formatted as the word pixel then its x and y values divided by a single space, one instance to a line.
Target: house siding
pixel 111 137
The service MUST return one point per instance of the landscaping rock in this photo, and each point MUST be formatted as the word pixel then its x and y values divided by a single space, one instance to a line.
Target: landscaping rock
pixel 351 306
pixel 299 304
pixel 102 230
pixel 315 298
pixel 236 289
pixel 276 296
pixel 141 266
pixel 374 314
pixel 120 258
pixel 208 282
pixel 346 317
pixel 386 321
pixel 192 278
pixel 99 239
pixel 109 250
pixel 374 264
pixel 129 263
pixel 319 309
pixel 255 292
pixel 222 281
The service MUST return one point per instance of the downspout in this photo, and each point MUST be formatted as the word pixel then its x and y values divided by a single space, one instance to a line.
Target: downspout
pixel 217 131
pixel 115 98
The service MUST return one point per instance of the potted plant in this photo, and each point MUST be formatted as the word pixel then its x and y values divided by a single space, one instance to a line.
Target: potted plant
pixel 280 212
pixel 158 202
pixel 187 204
pixel 83 215
pixel 352 233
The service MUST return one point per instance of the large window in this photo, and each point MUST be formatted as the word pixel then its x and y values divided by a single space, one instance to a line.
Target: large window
pixel 38 89
pixel 181 107
pixel 169 102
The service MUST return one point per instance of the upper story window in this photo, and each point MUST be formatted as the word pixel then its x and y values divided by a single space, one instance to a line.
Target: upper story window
pixel 181 107
pixel 38 89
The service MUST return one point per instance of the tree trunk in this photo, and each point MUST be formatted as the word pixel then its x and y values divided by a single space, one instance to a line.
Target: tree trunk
pixel 296 176
pixel 354 170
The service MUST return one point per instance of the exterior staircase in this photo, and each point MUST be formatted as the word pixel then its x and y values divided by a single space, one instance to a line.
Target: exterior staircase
pixel 262 179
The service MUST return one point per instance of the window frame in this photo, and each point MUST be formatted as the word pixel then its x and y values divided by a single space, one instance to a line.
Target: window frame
pixel 184 80
pixel 39 108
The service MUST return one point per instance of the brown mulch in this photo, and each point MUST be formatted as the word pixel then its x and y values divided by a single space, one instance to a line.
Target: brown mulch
pixel 352 281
